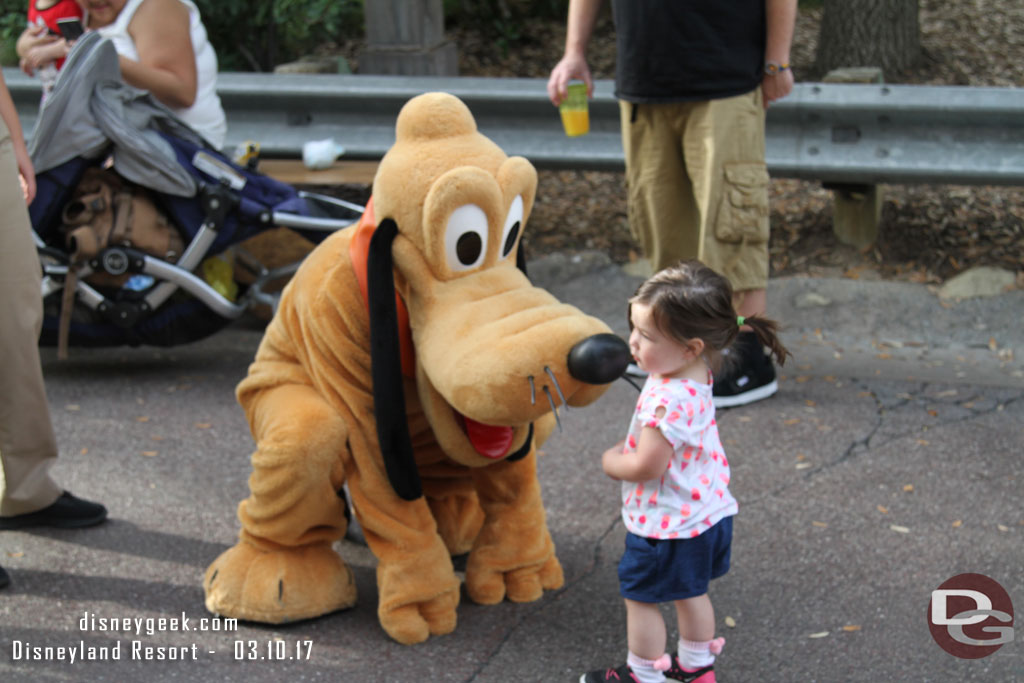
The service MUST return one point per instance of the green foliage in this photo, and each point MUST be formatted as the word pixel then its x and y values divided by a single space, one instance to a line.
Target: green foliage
pixel 13 19
pixel 502 20
pixel 256 36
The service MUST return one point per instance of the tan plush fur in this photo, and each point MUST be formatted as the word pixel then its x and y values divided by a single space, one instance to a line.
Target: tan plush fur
pixel 479 333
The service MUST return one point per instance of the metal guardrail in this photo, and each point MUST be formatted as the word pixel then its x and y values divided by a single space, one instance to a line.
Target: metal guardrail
pixel 835 133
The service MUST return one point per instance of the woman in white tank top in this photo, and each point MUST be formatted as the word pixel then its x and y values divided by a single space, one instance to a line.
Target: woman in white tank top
pixel 164 49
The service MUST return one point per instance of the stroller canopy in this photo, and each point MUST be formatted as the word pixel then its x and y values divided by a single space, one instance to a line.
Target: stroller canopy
pixel 91 112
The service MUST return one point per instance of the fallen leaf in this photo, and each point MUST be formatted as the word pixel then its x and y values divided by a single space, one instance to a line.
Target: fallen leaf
pixel 908 488
pixel 849 628
pixel 884 510
pixel 804 465
pixel 791 421
pixel 149 454
pixel 899 529
pixel 809 403
pixel 883 356
pixel 746 418
pixel 142 418
pixel 202 425
pixel 1002 527
pixel 992 346
pixel 820 525
pixel 83 451
pixel 958 523
pixel 923 442
pixel 820 634
pixel 16 554
pixel 730 622
pixel 72 407
pixel 933 413
pixel 800 379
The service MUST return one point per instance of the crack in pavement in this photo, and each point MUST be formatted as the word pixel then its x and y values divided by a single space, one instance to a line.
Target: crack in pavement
pixel 550 598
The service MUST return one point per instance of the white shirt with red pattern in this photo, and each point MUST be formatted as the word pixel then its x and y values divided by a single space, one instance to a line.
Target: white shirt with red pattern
pixel 693 493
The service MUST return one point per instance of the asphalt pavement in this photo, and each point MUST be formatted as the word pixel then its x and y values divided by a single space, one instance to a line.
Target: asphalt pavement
pixel 889 462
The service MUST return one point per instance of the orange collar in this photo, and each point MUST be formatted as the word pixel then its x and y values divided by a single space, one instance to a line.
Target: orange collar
pixel 358 251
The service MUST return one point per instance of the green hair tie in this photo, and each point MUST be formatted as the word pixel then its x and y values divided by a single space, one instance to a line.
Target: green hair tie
pixel 739 320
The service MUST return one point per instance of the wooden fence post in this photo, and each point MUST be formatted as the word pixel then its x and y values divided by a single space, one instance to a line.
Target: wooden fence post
pixel 406 38
pixel 856 209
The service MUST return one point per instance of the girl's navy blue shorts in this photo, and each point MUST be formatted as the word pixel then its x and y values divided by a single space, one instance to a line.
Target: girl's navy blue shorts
pixel 661 570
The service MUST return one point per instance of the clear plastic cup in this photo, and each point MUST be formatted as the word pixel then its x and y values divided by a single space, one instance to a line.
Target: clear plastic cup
pixel 574 111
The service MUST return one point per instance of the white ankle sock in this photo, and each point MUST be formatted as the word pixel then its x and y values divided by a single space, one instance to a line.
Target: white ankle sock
pixel 695 655
pixel 648 670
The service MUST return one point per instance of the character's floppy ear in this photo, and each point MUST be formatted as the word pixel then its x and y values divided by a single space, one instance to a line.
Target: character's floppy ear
pixel 386 366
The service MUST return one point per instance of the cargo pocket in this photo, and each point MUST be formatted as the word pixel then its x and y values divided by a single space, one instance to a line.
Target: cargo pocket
pixel 743 211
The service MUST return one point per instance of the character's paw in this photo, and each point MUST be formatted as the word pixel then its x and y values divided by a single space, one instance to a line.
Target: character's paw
pixel 278 586
pixel 412 621
pixel 489 583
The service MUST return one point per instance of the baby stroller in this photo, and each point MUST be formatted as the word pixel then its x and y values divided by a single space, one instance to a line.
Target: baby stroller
pixel 169 206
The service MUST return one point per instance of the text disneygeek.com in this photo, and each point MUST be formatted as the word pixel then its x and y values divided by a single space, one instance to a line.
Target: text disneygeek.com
pixel 141 650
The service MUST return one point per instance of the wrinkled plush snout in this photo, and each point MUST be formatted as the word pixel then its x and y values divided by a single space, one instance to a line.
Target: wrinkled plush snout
pixel 599 359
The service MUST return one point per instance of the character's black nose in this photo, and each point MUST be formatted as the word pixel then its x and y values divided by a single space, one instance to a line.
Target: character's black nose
pixel 599 359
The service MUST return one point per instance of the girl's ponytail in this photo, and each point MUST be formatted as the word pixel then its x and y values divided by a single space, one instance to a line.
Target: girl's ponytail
pixel 767 334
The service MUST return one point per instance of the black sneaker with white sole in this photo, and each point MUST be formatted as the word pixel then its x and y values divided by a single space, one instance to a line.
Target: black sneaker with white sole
pixel 748 376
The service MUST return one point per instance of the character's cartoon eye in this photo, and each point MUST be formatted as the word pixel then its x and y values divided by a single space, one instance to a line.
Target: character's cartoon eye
pixel 513 225
pixel 465 238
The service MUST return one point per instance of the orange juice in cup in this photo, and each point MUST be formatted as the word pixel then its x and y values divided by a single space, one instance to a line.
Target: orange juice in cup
pixel 575 115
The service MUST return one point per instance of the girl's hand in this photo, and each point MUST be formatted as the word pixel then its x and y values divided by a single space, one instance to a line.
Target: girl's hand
pixel 608 459
pixel 43 54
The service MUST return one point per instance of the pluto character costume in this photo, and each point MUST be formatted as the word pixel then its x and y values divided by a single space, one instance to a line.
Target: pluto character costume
pixel 439 448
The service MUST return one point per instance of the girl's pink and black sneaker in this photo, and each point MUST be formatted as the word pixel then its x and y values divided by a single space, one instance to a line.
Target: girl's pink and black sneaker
pixel 624 674
pixel 705 674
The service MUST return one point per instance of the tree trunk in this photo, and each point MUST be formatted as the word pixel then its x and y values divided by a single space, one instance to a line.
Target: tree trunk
pixel 882 33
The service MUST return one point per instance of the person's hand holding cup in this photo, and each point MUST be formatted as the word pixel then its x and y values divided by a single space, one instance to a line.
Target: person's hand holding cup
pixel 574 111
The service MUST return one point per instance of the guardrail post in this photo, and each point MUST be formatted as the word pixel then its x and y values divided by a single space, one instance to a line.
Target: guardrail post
pixel 856 209
pixel 407 39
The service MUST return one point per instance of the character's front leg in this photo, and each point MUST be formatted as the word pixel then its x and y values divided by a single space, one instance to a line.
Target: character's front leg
pixel 513 556
pixel 415 578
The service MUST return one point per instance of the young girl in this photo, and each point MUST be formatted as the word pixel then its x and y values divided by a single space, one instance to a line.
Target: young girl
pixel 675 477
pixel 43 51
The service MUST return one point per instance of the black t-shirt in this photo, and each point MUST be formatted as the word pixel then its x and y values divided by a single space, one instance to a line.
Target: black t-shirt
pixel 679 50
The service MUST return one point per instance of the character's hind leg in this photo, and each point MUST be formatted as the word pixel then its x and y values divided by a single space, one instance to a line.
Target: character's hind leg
pixel 284 567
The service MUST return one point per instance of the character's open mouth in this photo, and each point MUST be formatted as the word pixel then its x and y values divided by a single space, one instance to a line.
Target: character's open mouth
pixel 489 441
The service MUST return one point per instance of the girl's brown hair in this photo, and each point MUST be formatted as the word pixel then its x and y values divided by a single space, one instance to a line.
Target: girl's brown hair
pixel 691 301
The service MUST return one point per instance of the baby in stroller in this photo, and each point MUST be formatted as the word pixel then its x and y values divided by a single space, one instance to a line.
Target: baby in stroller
pixel 134 208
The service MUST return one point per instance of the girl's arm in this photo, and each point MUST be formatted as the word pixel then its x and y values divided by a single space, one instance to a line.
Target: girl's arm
pixel 649 460
pixel 167 60
pixel 30 42
pixel 10 116
pixel 43 54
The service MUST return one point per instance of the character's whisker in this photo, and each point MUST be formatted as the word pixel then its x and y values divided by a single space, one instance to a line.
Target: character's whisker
pixel 533 392
pixel 554 380
pixel 630 380
pixel 554 410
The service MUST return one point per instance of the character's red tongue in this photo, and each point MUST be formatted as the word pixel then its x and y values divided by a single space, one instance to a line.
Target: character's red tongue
pixel 489 441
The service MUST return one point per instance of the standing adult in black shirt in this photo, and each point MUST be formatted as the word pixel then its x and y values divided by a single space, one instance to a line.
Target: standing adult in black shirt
pixel 693 80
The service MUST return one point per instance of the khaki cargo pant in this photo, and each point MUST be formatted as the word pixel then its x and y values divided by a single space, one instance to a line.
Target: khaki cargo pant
pixel 27 444
pixel 698 184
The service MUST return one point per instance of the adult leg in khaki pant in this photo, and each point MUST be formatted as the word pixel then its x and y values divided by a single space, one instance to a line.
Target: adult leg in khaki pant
pixel 27 445
pixel 698 187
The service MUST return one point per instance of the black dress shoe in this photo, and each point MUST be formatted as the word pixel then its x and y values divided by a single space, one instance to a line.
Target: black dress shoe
pixel 5 580
pixel 67 513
